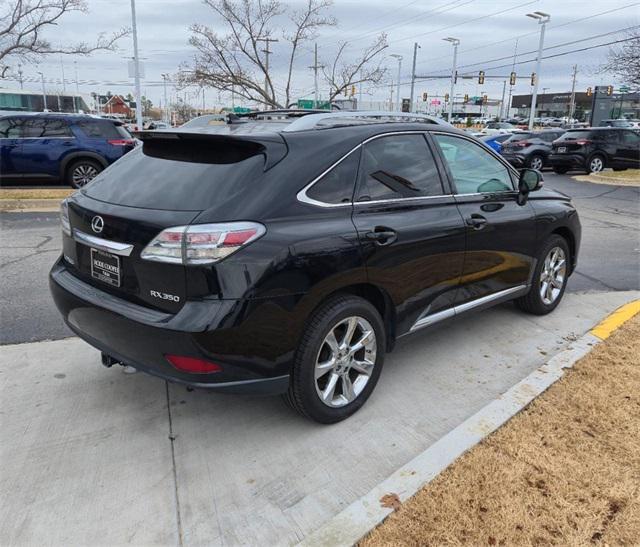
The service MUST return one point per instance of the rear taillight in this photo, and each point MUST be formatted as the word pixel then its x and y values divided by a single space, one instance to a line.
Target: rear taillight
pixel 64 218
pixel 192 365
pixel 523 144
pixel 201 243
pixel 582 142
pixel 122 142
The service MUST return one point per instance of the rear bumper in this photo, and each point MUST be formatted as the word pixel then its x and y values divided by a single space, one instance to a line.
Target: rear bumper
pixel 566 160
pixel 215 330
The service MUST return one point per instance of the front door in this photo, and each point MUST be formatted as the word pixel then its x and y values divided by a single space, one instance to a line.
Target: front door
pixel 410 229
pixel 10 147
pixel 46 142
pixel 629 149
pixel 500 233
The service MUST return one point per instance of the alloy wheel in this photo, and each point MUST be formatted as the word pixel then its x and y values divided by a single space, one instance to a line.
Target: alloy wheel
pixel 596 165
pixel 83 174
pixel 553 275
pixel 536 163
pixel 345 361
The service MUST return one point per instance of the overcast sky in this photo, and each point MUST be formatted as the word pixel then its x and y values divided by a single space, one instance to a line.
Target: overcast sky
pixel 487 29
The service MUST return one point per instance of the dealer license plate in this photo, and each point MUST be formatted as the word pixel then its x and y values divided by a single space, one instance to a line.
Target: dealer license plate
pixel 105 267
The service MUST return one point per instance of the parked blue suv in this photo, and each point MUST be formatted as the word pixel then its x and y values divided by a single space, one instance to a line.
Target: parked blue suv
pixel 65 148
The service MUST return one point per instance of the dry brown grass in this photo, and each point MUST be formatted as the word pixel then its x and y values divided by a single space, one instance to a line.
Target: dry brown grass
pixel 35 193
pixel 630 177
pixel 565 471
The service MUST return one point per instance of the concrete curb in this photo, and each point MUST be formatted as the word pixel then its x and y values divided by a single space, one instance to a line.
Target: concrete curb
pixel 356 520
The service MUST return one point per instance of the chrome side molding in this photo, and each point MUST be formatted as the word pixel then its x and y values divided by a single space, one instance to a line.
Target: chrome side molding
pixel 457 310
pixel 114 247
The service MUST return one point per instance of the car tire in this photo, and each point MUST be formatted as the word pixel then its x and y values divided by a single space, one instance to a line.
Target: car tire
pixel 536 162
pixel 560 170
pixel 549 279
pixel 81 172
pixel 595 164
pixel 325 386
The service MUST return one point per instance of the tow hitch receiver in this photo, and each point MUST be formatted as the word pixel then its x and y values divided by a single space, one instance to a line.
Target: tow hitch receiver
pixel 109 361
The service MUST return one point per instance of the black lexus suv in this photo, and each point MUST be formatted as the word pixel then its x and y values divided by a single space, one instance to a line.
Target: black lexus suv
pixel 286 255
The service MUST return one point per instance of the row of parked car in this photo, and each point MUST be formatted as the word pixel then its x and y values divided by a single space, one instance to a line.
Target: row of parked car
pixel 591 149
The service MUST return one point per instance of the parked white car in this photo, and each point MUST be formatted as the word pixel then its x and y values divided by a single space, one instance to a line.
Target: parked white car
pixel 496 128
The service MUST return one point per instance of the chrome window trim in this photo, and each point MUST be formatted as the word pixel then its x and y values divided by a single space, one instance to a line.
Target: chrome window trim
pixel 433 318
pixel 114 247
pixel 510 168
pixel 302 194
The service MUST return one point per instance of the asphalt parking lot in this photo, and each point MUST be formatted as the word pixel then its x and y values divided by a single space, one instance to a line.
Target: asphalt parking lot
pixel 102 457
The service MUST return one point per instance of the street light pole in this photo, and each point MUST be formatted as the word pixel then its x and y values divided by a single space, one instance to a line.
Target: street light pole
pixel 455 43
pixel 399 57
pixel 413 73
pixel 136 66
pixel 75 99
pixel 543 19
pixel 166 105
pixel 44 93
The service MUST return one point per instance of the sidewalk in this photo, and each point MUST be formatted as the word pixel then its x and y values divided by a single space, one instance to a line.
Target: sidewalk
pixel 564 471
pixel 36 199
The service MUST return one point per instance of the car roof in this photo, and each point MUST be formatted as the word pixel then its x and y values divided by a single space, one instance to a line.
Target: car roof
pixel 60 116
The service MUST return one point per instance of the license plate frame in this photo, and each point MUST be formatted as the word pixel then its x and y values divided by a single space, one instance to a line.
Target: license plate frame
pixel 562 149
pixel 105 267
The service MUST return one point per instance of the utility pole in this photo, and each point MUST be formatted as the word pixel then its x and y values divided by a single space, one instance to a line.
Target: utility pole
pixel 136 66
pixel 399 57
pixel 413 73
pixel 360 92
pixel 543 19
pixel 44 93
pixel 572 102
pixel 75 98
pixel 315 68
pixel 64 87
pixel 455 43
pixel 267 52
pixel 391 97
pixel 203 106
pixel 513 69
pixel 20 79
pixel 504 88
pixel 166 104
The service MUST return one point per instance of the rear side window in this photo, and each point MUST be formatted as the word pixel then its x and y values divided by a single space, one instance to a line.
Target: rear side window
pixel 336 186
pixel 398 166
pixel 102 130
pixel 629 137
pixel 46 129
pixel 139 180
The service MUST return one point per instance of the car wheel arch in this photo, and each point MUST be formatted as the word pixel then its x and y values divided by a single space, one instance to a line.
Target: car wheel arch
pixel 80 155
pixel 565 233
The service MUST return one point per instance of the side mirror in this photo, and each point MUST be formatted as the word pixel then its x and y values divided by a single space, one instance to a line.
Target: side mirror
pixel 530 180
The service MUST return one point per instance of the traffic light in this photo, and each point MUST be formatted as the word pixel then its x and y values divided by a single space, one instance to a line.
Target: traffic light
pixel 466 97
pixel 455 77
pixel 589 92
pixel 485 99
pixel 512 79
pixel 609 90
pixel 446 97
pixel 353 90
pixel 425 96
pixel 481 77
pixel 533 78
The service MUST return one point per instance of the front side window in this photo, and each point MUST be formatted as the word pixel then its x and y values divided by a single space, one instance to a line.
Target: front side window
pixel 629 137
pixel 336 186
pixel 473 168
pixel 11 128
pixel 398 166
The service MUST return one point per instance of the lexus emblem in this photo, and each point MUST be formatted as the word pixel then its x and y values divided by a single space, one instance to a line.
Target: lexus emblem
pixel 97 224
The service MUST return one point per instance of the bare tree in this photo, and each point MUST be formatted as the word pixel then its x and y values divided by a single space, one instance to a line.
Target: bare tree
pixel 624 60
pixel 237 61
pixel 24 22
pixel 341 74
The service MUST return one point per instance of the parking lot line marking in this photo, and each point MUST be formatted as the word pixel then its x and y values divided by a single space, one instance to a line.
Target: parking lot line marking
pixel 604 329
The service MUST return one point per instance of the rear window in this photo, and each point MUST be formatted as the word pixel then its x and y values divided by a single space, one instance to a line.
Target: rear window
pixel 521 137
pixel 103 130
pixel 138 180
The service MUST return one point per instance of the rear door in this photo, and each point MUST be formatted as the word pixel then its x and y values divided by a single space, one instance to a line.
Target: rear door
pixel 410 229
pixel 46 141
pixel 10 146
pixel 500 233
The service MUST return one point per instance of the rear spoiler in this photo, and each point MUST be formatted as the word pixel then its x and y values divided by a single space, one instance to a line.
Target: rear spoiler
pixel 211 147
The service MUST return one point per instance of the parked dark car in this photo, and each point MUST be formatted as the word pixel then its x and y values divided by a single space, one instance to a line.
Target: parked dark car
pixel 529 148
pixel 596 148
pixel 290 257
pixel 65 148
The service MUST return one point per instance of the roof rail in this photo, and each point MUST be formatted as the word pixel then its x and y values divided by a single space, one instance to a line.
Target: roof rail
pixel 312 121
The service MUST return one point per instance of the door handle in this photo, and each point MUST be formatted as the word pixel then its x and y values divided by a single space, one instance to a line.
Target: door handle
pixel 476 221
pixel 382 235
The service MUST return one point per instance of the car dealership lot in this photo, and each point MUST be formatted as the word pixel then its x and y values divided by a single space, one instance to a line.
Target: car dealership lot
pixel 96 456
